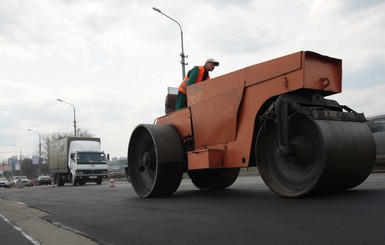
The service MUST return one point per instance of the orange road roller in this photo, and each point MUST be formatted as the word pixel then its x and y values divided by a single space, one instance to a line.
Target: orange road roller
pixel 273 115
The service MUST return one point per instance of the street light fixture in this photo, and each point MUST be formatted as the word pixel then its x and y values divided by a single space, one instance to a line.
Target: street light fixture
pixel 20 155
pixel 39 146
pixel 181 36
pixel 74 113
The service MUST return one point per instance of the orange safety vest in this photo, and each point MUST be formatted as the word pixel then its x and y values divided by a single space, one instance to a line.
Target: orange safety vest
pixel 183 86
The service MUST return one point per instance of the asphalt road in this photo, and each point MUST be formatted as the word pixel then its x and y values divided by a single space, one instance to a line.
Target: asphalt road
pixel 246 213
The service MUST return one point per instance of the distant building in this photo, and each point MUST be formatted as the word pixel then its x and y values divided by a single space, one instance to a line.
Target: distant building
pixel 12 162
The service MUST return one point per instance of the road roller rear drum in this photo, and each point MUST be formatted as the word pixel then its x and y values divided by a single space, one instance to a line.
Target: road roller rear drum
pixel 153 151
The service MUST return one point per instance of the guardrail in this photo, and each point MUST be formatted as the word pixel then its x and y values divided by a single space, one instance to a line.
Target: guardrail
pixel 117 175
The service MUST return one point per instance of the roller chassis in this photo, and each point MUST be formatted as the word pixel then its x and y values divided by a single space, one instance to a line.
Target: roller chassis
pixel 302 143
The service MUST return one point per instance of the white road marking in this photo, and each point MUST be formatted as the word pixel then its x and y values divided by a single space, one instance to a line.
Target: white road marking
pixel 20 230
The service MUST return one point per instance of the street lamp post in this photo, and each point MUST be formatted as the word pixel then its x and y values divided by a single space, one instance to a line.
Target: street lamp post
pixel 39 147
pixel 183 56
pixel 20 156
pixel 74 113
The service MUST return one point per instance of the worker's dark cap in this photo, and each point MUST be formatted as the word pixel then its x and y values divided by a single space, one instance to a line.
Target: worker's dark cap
pixel 216 63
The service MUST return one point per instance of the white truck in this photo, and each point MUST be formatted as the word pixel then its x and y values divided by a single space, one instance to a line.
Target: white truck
pixel 77 160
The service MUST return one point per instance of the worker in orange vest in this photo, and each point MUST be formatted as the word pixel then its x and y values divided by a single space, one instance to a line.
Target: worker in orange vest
pixel 195 75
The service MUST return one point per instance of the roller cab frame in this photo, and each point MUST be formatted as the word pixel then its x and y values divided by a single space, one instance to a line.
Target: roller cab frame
pixel 273 115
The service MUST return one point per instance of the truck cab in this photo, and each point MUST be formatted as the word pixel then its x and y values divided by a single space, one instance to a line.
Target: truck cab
pixel 87 166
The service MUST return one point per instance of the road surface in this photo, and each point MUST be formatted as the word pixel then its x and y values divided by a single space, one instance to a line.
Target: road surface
pixel 246 213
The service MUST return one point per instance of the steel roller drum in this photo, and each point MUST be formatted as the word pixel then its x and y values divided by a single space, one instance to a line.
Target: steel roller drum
pixel 328 156
pixel 151 147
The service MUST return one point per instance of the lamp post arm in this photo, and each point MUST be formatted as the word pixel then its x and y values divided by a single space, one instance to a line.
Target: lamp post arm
pixel 183 56
pixel 74 113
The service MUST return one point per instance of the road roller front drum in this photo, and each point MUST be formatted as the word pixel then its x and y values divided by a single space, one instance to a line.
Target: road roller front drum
pixel 325 156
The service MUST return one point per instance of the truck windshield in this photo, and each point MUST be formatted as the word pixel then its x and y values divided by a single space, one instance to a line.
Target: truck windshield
pixel 91 158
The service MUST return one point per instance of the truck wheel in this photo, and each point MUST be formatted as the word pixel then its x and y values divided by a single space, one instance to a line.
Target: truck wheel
pixel 60 180
pixel 153 152
pixel 213 179
pixel 327 156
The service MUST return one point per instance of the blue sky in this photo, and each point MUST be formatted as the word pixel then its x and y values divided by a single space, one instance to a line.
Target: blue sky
pixel 115 59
